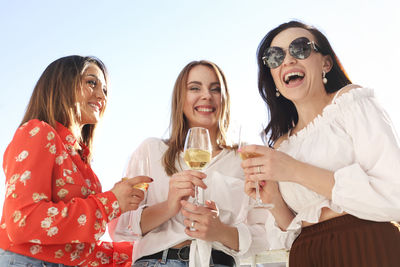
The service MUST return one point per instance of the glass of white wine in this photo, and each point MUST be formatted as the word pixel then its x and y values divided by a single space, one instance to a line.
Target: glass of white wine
pixel 244 141
pixel 140 167
pixel 198 152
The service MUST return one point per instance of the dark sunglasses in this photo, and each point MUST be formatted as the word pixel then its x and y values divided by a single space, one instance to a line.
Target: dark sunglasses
pixel 299 48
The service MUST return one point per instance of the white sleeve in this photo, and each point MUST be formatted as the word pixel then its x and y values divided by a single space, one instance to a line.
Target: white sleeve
pixel 234 210
pixel 252 236
pixel 370 188
pixel 282 239
pixel 260 238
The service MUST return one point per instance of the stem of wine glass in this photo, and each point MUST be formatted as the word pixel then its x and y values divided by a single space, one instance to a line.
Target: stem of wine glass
pixel 196 195
pixel 258 199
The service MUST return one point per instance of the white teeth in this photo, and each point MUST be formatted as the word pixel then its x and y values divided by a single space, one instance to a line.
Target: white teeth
pixel 287 76
pixel 205 109
pixel 94 106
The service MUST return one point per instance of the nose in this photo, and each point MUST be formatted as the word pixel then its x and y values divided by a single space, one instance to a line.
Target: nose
pixel 289 59
pixel 206 94
pixel 99 93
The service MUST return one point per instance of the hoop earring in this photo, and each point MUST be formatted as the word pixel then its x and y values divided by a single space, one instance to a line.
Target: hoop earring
pixel 324 79
pixel 277 93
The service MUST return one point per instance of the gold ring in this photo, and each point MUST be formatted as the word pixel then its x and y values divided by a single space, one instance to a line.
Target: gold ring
pixel 192 224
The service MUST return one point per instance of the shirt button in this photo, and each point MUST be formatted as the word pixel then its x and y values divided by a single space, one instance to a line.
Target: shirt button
pixel 93 192
pixel 14 195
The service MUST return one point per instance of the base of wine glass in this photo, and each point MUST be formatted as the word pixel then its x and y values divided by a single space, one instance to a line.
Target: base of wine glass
pixel 261 205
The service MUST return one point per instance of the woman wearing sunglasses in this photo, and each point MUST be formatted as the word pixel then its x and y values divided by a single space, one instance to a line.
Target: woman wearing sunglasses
pixel 332 168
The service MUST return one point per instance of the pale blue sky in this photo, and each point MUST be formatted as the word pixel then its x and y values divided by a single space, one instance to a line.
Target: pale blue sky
pixel 146 43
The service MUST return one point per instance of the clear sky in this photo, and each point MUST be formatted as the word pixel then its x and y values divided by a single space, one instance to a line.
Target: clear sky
pixel 146 43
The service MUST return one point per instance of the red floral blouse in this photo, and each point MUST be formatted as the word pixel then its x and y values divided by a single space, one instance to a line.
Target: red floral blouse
pixel 54 209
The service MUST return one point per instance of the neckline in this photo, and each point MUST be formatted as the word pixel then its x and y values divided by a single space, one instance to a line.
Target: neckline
pixel 321 116
pixel 322 112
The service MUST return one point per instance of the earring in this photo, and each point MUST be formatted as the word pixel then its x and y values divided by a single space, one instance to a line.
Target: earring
pixel 277 93
pixel 324 79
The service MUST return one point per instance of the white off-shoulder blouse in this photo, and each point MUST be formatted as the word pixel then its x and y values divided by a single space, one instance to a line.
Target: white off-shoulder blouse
pixel 355 139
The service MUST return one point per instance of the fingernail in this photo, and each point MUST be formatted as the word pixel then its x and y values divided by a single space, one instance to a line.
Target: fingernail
pixel 240 150
pixel 151 179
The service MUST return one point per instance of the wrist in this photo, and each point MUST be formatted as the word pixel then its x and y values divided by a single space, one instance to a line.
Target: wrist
pixel 297 172
pixel 228 236
pixel 171 208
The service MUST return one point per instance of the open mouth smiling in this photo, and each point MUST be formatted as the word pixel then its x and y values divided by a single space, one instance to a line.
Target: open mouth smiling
pixel 204 109
pixel 293 76
pixel 96 106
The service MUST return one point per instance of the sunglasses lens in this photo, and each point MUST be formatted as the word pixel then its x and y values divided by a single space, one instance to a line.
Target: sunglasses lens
pixel 273 57
pixel 300 48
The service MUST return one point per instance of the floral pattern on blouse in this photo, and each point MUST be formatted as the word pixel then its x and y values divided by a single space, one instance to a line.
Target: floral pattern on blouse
pixel 54 208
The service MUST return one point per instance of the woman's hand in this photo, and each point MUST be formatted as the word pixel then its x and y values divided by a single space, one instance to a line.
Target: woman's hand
pixel 268 165
pixel 269 190
pixel 202 221
pixel 181 187
pixel 127 195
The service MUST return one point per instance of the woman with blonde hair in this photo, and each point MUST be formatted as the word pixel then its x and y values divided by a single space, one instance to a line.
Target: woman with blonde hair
pixel 169 229
pixel 54 210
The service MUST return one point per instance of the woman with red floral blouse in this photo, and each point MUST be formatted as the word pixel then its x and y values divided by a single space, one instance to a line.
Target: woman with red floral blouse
pixel 54 210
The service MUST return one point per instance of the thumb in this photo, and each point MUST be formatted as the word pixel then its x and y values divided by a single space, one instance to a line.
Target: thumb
pixel 211 205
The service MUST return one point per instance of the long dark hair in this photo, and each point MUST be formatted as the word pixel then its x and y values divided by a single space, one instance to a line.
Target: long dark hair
pixel 282 112
pixel 55 95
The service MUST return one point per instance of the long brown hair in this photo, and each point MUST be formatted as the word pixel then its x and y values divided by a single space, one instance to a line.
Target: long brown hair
pixel 282 112
pixel 179 125
pixel 54 97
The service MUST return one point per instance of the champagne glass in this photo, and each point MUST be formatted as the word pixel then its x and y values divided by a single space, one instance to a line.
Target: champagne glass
pixel 244 141
pixel 197 153
pixel 140 167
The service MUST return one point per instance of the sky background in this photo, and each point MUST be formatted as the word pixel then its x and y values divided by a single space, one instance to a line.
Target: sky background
pixel 146 43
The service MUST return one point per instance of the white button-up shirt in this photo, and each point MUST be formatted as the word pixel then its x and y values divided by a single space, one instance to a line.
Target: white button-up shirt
pixel 225 186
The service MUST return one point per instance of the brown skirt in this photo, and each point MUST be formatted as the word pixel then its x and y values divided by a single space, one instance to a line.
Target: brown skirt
pixel 347 241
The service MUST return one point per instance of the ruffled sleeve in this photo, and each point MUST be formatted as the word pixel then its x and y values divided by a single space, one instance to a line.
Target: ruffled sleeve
pixel 282 239
pixel 370 187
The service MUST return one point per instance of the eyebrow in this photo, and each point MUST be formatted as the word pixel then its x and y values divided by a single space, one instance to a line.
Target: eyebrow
pixel 199 83
pixel 93 75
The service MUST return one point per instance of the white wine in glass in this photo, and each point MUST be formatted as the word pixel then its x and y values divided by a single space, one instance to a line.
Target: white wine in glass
pixel 198 151
pixel 243 142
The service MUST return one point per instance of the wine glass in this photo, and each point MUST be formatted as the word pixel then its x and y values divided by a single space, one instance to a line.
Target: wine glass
pixel 140 167
pixel 244 140
pixel 197 153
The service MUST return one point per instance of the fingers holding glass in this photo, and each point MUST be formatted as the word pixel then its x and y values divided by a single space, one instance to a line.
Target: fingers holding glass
pixel 246 154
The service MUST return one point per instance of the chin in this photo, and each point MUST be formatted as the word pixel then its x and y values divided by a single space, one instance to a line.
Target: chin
pixel 92 120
